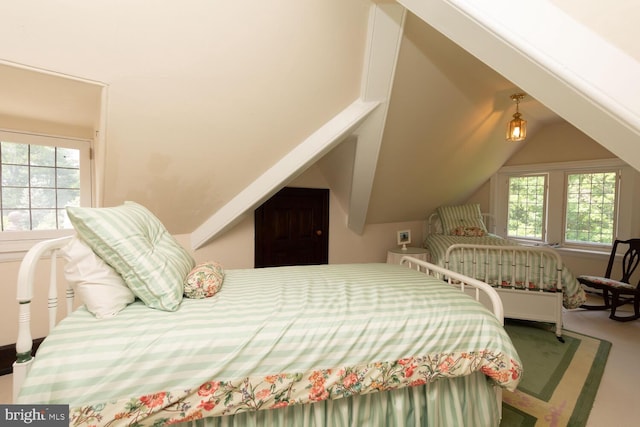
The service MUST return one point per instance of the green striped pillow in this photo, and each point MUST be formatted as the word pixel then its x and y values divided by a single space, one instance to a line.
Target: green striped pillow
pixel 135 243
pixel 453 217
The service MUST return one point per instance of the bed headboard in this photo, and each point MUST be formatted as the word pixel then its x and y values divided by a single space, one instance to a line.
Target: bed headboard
pixel 24 294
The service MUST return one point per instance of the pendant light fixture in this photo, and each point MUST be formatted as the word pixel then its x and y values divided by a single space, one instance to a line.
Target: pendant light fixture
pixel 517 127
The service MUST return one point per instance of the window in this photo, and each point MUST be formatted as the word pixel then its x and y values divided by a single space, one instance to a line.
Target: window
pixel 581 205
pixel 526 211
pixel 591 207
pixel 37 183
pixel 39 177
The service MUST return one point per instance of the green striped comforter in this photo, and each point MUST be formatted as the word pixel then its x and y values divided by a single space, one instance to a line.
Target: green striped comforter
pixel 437 244
pixel 270 338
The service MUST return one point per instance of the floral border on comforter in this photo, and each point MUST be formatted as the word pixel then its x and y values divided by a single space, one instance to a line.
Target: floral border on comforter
pixel 219 398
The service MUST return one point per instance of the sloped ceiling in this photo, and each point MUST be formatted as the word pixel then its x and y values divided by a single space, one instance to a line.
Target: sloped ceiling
pixel 444 134
pixel 202 100
pixel 614 21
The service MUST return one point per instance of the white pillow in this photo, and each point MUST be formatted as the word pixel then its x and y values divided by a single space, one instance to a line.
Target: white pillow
pixel 98 286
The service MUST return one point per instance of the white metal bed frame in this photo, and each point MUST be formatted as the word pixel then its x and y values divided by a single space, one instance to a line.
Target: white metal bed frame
pixel 523 304
pixel 47 250
pixel 519 303
pixel 26 278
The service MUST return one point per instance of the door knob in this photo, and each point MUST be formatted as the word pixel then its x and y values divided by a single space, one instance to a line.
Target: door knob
pixel 318 232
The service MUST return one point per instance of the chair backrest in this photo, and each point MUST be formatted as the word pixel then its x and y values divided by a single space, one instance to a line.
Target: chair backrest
pixel 630 259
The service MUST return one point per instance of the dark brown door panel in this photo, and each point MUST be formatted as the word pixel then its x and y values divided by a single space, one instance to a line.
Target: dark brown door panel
pixel 292 228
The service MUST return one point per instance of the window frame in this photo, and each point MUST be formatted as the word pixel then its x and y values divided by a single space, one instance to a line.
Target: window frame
pixel 12 242
pixel 554 228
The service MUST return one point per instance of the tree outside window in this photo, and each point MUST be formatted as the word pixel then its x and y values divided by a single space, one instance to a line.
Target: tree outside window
pixel 591 207
pixel 38 182
pixel 526 206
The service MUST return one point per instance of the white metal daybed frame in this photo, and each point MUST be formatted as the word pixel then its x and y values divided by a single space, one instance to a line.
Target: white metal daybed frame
pixel 24 295
pixel 522 304
pixel 536 304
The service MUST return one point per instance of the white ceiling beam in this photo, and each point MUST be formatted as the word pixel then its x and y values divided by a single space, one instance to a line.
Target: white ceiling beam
pixel 289 167
pixel 386 26
pixel 386 23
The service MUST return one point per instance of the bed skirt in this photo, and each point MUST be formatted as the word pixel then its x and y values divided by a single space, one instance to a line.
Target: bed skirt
pixel 468 401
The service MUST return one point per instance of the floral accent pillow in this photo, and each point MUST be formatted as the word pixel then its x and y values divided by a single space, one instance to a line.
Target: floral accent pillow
pixel 468 231
pixel 204 281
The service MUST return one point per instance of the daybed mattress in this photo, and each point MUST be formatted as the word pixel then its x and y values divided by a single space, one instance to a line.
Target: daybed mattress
pixel 271 337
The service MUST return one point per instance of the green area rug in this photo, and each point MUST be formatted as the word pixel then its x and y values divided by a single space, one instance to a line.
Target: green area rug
pixel 560 380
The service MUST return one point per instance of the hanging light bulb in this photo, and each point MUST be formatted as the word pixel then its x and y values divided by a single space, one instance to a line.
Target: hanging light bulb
pixel 517 127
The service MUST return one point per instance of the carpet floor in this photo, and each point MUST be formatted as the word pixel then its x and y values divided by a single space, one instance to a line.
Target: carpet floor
pixel 560 380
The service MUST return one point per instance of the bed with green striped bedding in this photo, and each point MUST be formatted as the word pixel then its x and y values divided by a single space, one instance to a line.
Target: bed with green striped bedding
pixel 351 340
pixel 490 268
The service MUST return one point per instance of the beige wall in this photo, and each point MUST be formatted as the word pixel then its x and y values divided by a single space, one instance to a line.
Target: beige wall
pixel 558 142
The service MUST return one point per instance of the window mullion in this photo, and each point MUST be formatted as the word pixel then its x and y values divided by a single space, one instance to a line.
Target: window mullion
pixel 555 206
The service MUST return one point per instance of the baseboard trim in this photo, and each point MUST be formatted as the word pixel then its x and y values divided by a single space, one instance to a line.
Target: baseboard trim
pixel 8 355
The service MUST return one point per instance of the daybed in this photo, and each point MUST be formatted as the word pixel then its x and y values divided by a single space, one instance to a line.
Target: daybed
pixel 350 344
pixel 532 281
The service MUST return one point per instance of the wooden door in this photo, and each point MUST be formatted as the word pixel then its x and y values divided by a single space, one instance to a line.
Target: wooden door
pixel 292 228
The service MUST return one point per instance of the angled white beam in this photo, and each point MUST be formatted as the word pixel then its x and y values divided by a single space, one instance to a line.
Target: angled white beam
pixel 386 24
pixel 289 167
pixel 564 65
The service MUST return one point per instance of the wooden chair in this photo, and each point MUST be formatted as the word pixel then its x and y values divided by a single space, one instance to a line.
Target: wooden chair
pixel 618 292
